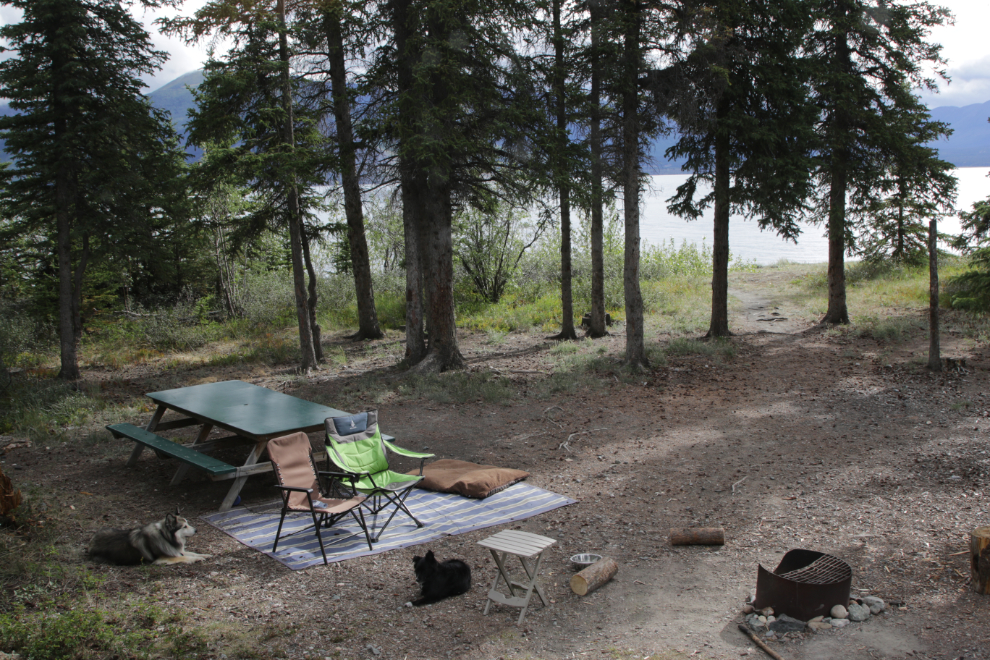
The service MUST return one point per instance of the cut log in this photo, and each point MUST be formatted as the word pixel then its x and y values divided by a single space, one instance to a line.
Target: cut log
pixel 697 536
pixel 589 579
pixel 979 554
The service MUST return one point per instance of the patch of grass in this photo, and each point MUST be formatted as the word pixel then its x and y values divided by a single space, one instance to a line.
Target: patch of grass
pixel 458 387
pixel 890 329
pixel 564 348
pixel 78 631
pixel 961 405
pixel 722 349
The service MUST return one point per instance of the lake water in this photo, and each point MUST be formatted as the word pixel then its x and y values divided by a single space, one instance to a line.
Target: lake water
pixel 747 242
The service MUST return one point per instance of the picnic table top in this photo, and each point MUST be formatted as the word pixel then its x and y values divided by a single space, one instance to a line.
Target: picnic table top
pixel 248 410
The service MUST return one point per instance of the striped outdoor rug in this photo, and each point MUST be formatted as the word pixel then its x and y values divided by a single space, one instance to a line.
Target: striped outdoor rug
pixel 442 514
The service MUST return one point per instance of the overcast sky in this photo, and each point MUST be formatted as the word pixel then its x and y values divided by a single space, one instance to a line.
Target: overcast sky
pixel 965 46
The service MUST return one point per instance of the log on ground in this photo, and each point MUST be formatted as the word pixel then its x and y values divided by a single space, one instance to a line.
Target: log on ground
pixel 697 536
pixel 589 579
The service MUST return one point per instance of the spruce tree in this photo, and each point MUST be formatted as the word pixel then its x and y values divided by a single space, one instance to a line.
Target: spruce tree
pixel 868 57
pixel 746 123
pixel 85 141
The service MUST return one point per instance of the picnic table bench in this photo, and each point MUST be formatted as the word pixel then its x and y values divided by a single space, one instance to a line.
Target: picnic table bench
pixel 163 446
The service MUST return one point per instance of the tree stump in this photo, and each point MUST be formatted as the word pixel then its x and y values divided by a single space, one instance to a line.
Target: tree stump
pixel 697 536
pixel 979 554
pixel 589 579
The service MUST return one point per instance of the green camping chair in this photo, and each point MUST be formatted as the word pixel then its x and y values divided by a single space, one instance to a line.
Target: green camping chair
pixel 355 445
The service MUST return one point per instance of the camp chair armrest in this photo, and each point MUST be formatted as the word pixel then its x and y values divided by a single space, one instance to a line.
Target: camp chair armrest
pixel 409 454
pixel 406 452
pixel 294 489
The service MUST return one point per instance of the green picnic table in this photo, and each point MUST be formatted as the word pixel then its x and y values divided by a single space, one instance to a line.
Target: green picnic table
pixel 252 414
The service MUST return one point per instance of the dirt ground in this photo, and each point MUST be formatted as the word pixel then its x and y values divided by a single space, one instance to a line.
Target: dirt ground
pixel 804 439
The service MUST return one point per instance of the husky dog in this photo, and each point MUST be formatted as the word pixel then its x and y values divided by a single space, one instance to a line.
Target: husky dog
pixel 440 580
pixel 162 542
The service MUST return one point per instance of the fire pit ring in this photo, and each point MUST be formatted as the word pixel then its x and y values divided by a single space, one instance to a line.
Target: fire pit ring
pixel 804 585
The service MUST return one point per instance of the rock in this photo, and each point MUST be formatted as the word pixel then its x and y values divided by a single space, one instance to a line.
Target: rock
pixel 839 612
pixel 374 650
pixel 766 611
pixel 753 621
pixel 748 609
pixel 762 619
pixel 858 612
pixel 819 625
pixel 786 624
pixel 771 619
pixel 840 623
pixel 875 604
pixel 817 619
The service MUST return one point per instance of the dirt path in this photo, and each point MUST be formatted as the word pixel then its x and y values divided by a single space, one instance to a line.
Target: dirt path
pixel 829 441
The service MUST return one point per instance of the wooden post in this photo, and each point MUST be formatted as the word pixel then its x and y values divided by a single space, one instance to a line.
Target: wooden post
pixel 697 536
pixel 979 554
pixel 934 353
pixel 589 579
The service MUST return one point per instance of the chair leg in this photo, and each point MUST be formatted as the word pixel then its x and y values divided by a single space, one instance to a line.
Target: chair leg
pixel 279 531
pixel 319 536
pixel 359 518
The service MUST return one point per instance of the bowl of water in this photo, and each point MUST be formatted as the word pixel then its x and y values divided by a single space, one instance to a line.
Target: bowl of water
pixel 584 560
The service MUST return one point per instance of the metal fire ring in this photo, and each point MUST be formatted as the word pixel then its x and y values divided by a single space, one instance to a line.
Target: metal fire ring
pixel 804 585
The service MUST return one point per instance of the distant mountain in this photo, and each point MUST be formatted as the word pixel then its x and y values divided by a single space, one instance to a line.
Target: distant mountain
pixel 969 145
pixel 176 98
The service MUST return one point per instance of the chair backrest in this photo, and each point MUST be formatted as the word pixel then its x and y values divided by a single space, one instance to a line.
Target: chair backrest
pixel 292 462
pixel 357 442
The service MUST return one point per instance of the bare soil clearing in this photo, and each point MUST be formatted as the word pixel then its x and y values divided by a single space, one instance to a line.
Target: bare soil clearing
pixel 805 438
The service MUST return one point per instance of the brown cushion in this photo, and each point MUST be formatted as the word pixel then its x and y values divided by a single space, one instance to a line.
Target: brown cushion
pixel 470 479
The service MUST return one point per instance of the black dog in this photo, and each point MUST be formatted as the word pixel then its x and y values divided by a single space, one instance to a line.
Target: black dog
pixel 440 580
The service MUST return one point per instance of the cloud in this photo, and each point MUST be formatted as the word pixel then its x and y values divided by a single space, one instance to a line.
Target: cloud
pixel 969 83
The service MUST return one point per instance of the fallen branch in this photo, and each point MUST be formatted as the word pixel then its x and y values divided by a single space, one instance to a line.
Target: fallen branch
pixel 737 483
pixel 749 633
pixel 551 419
pixel 566 446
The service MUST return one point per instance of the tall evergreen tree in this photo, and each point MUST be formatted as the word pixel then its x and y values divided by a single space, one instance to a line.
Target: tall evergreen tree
pixel 85 141
pixel 459 101
pixel 247 109
pixel 746 123
pixel 869 56
pixel 339 24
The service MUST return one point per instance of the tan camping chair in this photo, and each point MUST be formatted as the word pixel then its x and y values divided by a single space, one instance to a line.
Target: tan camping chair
pixel 292 463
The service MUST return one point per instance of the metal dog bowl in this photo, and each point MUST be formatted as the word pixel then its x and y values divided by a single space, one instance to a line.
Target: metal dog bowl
pixel 584 560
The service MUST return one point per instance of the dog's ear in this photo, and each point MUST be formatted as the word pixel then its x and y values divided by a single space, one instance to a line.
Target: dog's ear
pixel 176 510
pixel 429 555
pixel 170 519
pixel 416 560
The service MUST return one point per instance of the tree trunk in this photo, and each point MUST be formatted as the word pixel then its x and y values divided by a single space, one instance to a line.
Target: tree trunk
pixel 597 326
pixel 410 184
pixel 308 360
pixel 65 203
pixel 838 180
pixel 719 325
pixel 368 327
pixel 312 300
pixel 635 348
pixel 560 174
pixel 442 353
pixel 934 353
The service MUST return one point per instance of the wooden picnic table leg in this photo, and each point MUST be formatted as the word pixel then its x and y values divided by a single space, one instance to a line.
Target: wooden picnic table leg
pixel 239 482
pixel 138 447
pixel 180 474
